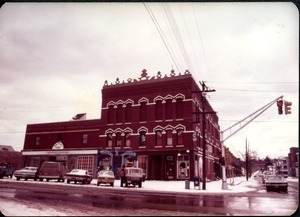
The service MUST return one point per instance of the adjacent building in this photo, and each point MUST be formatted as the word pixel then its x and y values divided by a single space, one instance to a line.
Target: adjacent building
pixel 156 123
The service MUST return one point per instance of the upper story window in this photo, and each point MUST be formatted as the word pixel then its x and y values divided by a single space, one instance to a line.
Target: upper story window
pixel 118 139
pixel 158 110
pixel 179 108
pixel 128 112
pixel 127 139
pixel 109 140
pixel 169 137
pixel 180 137
pixel 37 140
pixel 120 113
pixel 143 138
pixel 143 111
pixel 169 109
pixel 159 138
pixel 110 118
pixel 85 138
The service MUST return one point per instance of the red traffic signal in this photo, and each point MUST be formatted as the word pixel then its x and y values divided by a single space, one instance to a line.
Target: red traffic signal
pixel 279 105
pixel 287 107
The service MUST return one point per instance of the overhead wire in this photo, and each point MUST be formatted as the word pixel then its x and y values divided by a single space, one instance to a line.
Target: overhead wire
pixel 158 28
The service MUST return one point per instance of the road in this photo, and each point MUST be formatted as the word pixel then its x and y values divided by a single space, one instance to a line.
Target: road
pixel 109 201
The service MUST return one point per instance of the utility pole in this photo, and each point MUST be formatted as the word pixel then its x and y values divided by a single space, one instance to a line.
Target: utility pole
pixel 203 92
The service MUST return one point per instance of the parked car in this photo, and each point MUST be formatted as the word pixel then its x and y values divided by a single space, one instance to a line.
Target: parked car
pixel 27 173
pixel 52 170
pixel 79 175
pixel 105 177
pixel 276 182
pixel 133 176
pixel 6 169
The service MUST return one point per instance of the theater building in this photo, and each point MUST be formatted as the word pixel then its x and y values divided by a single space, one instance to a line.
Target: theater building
pixel 151 122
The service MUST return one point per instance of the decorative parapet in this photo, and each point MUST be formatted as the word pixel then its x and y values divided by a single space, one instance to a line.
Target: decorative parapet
pixel 146 77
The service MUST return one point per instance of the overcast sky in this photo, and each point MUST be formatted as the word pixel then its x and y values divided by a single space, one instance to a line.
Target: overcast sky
pixel 55 58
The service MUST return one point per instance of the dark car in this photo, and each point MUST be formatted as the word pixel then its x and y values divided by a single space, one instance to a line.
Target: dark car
pixel 276 182
pixel 27 173
pixel 6 169
pixel 52 170
pixel 79 175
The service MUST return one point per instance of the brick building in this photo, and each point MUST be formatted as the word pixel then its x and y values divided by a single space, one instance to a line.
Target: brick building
pixel 152 122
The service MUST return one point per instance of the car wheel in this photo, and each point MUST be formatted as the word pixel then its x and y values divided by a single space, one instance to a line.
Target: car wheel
pixel 112 184
pixel 41 180
pixel 126 184
pixel 26 179
pixel 18 178
pixel 140 184
pixel 68 181
pixel 47 180
pixel 75 182
pixel 98 183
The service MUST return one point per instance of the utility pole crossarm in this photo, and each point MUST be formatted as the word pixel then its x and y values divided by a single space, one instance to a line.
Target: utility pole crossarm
pixel 251 116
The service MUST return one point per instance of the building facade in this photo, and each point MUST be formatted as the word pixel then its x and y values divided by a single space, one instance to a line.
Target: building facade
pixel 155 123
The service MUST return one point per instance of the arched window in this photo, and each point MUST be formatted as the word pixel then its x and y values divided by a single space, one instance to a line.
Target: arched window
pixel 143 111
pixel 128 112
pixel 179 108
pixel 169 109
pixel 118 139
pixel 158 138
pixel 120 113
pixel 127 139
pixel 158 109
pixel 109 140
pixel 142 138
pixel 110 114
pixel 169 137
pixel 180 137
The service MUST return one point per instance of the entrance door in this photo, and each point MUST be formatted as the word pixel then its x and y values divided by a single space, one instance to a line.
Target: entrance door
pixel 155 167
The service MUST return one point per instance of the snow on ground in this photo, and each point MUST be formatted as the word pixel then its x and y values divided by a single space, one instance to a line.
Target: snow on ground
pixel 235 185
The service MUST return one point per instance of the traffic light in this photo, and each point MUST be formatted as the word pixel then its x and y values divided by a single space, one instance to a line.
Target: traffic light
pixel 287 107
pixel 279 105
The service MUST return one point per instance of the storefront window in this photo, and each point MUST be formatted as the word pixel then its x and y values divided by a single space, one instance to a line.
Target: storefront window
pixel 183 166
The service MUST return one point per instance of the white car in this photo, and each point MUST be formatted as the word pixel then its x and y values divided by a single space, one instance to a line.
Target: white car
pixel 105 177
pixel 79 175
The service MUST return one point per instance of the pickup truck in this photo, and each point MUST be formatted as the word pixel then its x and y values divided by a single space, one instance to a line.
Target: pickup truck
pixel 7 170
pixel 133 176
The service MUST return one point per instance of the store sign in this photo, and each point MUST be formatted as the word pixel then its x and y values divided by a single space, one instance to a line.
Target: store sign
pixel 58 145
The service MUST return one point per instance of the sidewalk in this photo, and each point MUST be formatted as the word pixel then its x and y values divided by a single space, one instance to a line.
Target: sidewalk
pixel 239 184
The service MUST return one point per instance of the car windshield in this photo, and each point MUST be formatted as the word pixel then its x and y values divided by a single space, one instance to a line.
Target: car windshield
pixel 106 173
pixel 135 171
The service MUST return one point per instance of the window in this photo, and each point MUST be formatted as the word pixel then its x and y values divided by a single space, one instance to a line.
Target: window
pixel 179 108
pixel 86 163
pixel 109 140
pixel 180 137
pixel 158 138
pixel 84 138
pixel 158 110
pixel 37 140
pixel 143 138
pixel 143 111
pixel 128 112
pixel 110 114
pixel 169 109
pixel 169 137
pixel 120 113
pixel 118 139
pixel 127 139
